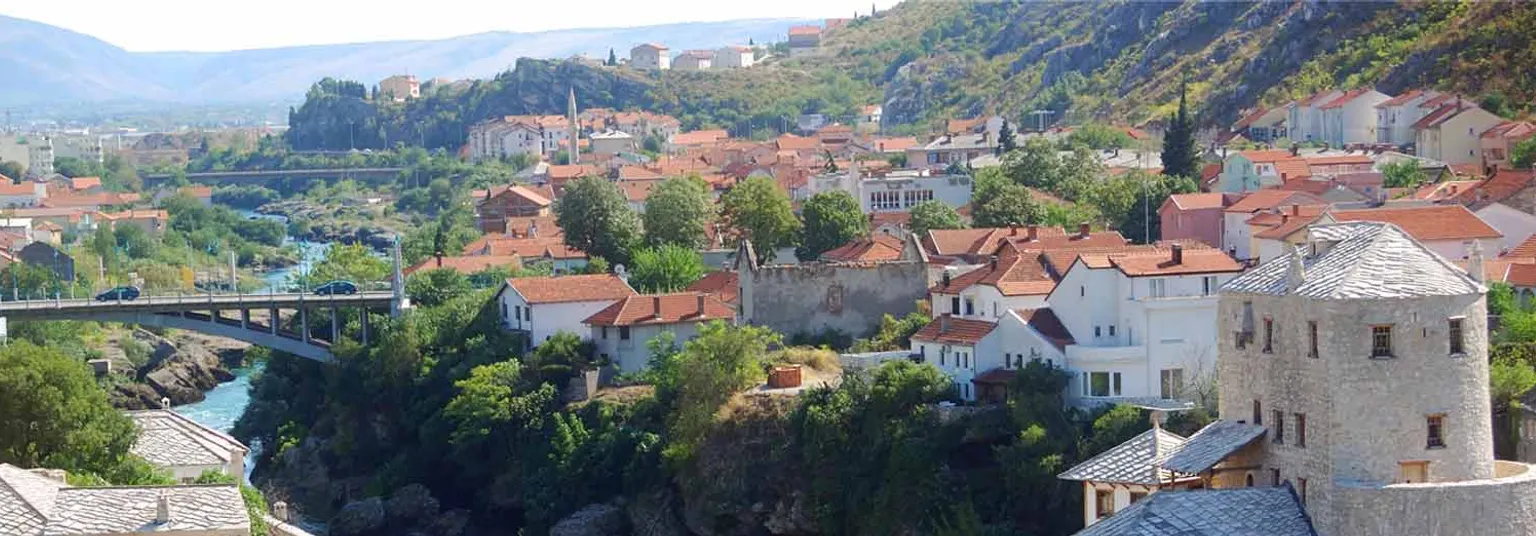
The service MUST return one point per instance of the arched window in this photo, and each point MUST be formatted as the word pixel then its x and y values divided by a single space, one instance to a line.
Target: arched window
pixel 1248 480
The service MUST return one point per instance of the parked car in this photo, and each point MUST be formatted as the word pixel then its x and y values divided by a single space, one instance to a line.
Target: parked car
pixel 336 287
pixel 123 293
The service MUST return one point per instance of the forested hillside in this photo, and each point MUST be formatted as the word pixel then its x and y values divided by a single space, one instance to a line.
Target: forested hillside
pixel 1119 61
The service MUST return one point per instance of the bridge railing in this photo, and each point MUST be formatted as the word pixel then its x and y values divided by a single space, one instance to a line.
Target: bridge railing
pixel 182 298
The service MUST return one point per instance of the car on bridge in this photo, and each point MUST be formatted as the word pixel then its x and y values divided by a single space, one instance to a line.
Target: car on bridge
pixel 336 287
pixel 122 293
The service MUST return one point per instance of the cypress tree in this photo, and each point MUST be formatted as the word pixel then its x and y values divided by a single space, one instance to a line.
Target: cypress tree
pixel 1180 156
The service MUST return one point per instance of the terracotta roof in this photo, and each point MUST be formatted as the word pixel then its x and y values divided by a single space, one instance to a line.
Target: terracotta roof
pixel 1271 198
pixel 1439 116
pixel 81 183
pixel 570 288
pixel 1210 171
pixel 1444 190
pixel 23 188
pixel 1437 100
pixel 524 192
pixel 134 215
pixel 1401 99
pixel 662 309
pixel 466 264
pixel 1195 261
pixel 637 190
pixel 1338 160
pixel 791 142
pixel 1525 250
pixel 637 173
pixel 879 247
pixel 1197 201
pixel 950 242
pixel 726 285
pixel 890 145
pixel 951 330
pixel 1436 222
pixel 1315 97
pixel 196 191
pixel 700 137
pixel 1503 184
pixel 545 247
pixel 805 30
pixel 1521 275
pixel 1014 274
pixel 1291 219
pixel 1245 121
pixel 1345 98
pixel 572 171
pixel 84 200
pixel 1511 129
pixel 1048 325
pixel 898 219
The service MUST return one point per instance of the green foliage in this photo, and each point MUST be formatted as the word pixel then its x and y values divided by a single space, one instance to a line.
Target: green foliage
pixel 430 288
pixel 597 219
pixel 1403 174
pixel 668 268
pixel 715 365
pixel 1501 298
pixel 346 262
pixel 895 333
pixel 831 220
pixel 934 214
pixel 1509 377
pixel 52 414
pixel 1181 153
pixel 998 202
pixel 761 214
pixel 13 170
pixel 1141 223
pixel 1099 137
pixel 1523 154
pixel 679 211
pixel 447 235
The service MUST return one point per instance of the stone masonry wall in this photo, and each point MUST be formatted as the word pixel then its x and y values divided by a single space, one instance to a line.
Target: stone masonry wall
pixel 813 297
pixel 1505 506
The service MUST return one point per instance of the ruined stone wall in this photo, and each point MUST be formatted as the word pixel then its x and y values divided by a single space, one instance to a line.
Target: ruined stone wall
pixel 850 298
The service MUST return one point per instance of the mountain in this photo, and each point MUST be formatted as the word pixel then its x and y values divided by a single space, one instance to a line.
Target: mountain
pixel 43 64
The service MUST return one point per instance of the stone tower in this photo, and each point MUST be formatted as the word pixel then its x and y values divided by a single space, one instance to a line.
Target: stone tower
pixel 1364 354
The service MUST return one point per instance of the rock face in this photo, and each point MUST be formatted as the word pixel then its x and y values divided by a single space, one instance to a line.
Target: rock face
pixel 180 368
pixel 594 520
pixel 346 224
pixel 359 518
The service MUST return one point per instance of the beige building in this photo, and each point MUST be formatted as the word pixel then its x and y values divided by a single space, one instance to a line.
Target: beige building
pixel 38 502
pixel 734 57
pixel 650 56
pixel 694 60
pixel 400 87
pixel 1453 133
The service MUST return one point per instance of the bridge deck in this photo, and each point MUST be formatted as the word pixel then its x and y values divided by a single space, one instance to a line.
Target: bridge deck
pixel 80 308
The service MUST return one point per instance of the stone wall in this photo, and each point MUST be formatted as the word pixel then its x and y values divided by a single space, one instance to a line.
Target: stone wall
pixel 1495 506
pixel 850 298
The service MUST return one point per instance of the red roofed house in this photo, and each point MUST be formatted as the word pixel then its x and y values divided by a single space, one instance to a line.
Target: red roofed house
pixel 1395 117
pixel 1351 118
pixel 23 194
pixel 152 221
pixel 1446 229
pixel 722 284
pixel 876 248
pixel 1506 201
pixel 505 202
pixel 467 264
pixel 1498 142
pixel 1143 321
pixel 1196 216
pixel 1262 124
pixel 1247 171
pixel 621 331
pixel 1235 232
pixel 543 306
pixel 530 249
pixel 804 40
pixel 982 356
pixel 1453 133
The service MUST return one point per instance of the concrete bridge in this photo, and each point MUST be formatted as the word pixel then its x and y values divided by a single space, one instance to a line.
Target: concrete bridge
pixel 223 315
pixel 374 175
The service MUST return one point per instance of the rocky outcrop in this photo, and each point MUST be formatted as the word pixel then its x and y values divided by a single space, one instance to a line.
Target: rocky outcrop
pixel 359 518
pixel 654 513
pixel 593 520
pixel 180 368
pixel 340 224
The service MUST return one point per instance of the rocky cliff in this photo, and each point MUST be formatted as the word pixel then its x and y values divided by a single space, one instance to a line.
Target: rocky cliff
pixel 180 367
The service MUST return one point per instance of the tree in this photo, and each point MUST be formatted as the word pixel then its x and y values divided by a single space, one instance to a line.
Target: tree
pixel 1509 378
pixel 721 361
pixel 349 262
pixel 613 59
pixel 1035 165
pixel 1402 174
pixel 679 211
pixel 934 214
pixel 998 202
pixel 1523 155
pixel 1181 158
pixel 12 170
pixel 665 268
pixel 597 219
pixel 760 213
pixel 1141 223
pixel 1099 137
pixel 52 414
pixel 1005 142
pixel 831 220
pixel 430 288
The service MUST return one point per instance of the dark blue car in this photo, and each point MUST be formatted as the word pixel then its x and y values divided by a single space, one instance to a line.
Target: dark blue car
pixel 123 293
pixel 336 287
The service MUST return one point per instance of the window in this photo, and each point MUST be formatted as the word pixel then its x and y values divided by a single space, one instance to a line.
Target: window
pixel 1435 431
pixel 623 333
pixel 1096 331
pixel 1269 336
pixel 1104 500
pixel 1258 415
pixel 1301 490
pixel 1311 339
pixel 503 309
pixel 1172 382
pixel 518 309
pixel 1208 285
pixel 1137 496
pixel 1381 341
pixel 1301 430
pixel 1103 384
pixel 1457 346
pixel 1248 480
pixel 1007 360
pixel 528 313
pixel 1277 419
pixel 1274 477
pixel 605 332
pixel 954 305
pixel 1082 291
pixel 1157 288
pixel 970 306
pixel 1111 330
pixel 1412 472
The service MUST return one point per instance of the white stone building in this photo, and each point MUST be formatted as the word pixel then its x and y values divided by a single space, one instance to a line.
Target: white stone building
pixel 1351 118
pixel 734 57
pixel 621 331
pixel 187 449
pixel 1453 134
pixel 544 306
pixel 650 56
pixel 503 137
pixel 1395 117
pixel 1304 118
pixel 612 142
pixel 897 191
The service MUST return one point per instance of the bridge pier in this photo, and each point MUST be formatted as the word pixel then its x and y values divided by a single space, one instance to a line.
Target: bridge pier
pixel 335 326
pixel 272 320
pixel 363 323
pixel 245 319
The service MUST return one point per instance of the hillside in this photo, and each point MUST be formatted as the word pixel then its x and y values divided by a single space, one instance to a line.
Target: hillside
pixel 44 64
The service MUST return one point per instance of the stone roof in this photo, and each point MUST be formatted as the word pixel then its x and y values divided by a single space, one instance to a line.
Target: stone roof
pixel 119 510
pixel 1131 462
pixel 1360 260
pixel 167 439
pixel 1271 511
pixel 26 500
pixel 1210 445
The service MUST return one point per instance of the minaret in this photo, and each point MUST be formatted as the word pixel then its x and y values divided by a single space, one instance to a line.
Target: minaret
pixel 570 111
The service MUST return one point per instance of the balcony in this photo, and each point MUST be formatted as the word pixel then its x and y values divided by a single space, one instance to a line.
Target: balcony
pixel 1078 353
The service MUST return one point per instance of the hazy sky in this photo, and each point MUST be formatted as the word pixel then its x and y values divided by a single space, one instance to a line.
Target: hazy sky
pixel 211 25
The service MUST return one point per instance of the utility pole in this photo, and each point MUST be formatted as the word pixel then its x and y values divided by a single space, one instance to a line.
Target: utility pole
pixel 234 277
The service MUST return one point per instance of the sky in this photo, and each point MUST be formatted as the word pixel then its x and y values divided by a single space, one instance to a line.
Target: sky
pixel 204 25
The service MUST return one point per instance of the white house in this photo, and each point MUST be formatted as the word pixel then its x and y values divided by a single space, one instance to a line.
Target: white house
pixel 1143 321
pixel 733 57
pixel 505 136
pixel 1395 117
pixel 1011 280
pixel 187 449
pixel 622 329
pixel 650 56
pixel 543 306
pixel 613 142
pixel 1351 118
pixel 981 356
pixel 1236 235
pixel 1304 118
pixel 1453 134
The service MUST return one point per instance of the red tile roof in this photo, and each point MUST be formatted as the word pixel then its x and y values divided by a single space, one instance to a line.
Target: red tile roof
pixel 726 285
pixel 570 288
pixel 85 200
pixel 1271 198
pixel 950 242
pixel 82 183
pixel 1401 99
pixel 891 145
pixel 542 247
pixel 572 171
pixel 1513 130
pixel 1521 275
pixel 879 247
pixel 1255 115
pixel 700 137
pixel 1288 220
pixel 946 329
pixel 1267 155
pixel 1440 115
pixel 1338 160
pixel 791 142
pixel 1444 190
pixel 1503 184
pixel 1197 201
pixel 1435 222
pixel 1045 322
pixel 465 264
pixel 23 188
pixel 805 30
pixel 1525 250
pixel 1195 261
pixel 646 309
pixel 1345 98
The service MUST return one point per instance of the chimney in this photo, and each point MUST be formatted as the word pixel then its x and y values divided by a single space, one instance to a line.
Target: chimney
pixel 1296 210
pixel 1013 230
pixel 993 262
pixel 1034 232
pixel 163 508
pixel 1083 230
pixel 1295 274
pixel 1295 149
pixel 944 324
pixel 701 304
pixel 165 402
pixel 1178 253
pixel 656 305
